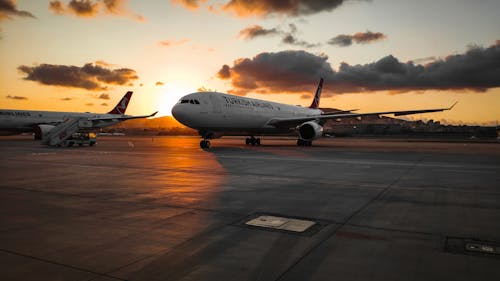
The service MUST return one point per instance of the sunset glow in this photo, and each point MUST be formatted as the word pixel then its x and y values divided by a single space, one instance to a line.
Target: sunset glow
pixel 83 55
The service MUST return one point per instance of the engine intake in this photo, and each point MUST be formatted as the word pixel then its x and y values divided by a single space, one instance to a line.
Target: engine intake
pixel 310 130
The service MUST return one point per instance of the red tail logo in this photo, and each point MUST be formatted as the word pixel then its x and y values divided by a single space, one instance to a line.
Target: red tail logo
pixel 317 95
pixel 122 105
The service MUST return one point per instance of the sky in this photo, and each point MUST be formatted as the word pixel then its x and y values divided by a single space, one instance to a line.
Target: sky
pixel 378 55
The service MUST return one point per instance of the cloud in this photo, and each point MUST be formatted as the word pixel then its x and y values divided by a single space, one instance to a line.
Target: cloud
pixel 8 10
pixel 477 69
pixel 16 97
pixel 66 99
pixel 104 96
pixel 289 37
pixel 104 104
pixel 344 40
pixel 189 4
pixel 159 83
pixel 245 8
pixel 90 76
pixel 292 40
pixel 92 8
pixel 89 104
pixel 254 31
pixel 171 43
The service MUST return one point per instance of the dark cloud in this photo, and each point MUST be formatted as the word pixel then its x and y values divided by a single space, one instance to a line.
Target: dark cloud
pixel 104 96
pixel 257 31
pixel 289 38
pixel 224 72
pixel 159 83
pixel 8 10
pixel 66 99
pixel 16 97
pixel 189 4
pixel 91 8
pixel 245 8
pixel 83 8
pixel 90 76
pixel 89 104
pixel 477 69
pixel 104 104
pixel 344 40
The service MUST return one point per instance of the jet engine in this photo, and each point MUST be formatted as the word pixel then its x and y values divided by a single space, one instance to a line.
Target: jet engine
pixel 311 130
pixel 41 130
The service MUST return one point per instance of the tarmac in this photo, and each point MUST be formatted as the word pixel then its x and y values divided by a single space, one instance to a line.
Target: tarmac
pixel 160 208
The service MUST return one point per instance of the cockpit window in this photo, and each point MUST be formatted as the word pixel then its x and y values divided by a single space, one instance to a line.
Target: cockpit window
pixel 190 101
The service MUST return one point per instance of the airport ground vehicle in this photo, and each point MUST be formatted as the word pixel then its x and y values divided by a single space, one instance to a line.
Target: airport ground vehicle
pixel 81 139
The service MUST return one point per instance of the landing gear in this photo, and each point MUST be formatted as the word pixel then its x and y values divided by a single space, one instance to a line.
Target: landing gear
pixel 252 141
pixel 301 142
pixel 205 144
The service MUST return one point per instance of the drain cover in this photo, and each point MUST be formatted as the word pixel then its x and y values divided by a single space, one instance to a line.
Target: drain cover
pixel 282 223
pixel 472 246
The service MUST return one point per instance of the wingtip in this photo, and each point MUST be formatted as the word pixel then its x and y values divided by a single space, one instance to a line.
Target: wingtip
pixel 451 107
pixel 153 114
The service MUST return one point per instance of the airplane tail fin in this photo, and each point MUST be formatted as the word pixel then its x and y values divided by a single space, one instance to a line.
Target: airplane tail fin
pixel 317 95
pixel 122 105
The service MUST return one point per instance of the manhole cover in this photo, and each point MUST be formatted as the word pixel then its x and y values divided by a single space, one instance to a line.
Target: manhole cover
pixel 281 223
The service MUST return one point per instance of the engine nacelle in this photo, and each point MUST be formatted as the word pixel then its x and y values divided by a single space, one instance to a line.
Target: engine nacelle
pixel 310 130
pixel 42 130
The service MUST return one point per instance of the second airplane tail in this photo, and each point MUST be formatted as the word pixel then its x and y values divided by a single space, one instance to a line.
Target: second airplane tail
pixel 317 95
pixel 121 107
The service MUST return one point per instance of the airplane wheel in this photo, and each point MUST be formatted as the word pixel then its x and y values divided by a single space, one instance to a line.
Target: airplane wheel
pixel 247 141
pixel 257 141
pixel 300 142
pixel 205 144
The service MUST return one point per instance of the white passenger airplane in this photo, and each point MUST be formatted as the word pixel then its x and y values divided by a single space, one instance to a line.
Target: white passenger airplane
pixel 216 114
pixel 41 122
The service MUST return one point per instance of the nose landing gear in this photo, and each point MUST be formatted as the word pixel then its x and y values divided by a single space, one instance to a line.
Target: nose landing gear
pixel 204 144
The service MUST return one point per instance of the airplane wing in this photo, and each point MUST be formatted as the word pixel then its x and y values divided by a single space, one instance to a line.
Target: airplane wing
pixel 122 117
pixel 291 122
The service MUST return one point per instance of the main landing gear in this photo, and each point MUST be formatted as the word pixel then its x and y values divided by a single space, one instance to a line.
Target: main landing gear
pixel 252 141
pixel 301 142
pixel 204 144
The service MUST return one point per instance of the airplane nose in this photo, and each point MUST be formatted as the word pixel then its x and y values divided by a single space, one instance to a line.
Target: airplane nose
pixel 179 114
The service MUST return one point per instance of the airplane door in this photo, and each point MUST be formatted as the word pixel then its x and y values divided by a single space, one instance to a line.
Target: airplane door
pixel 216 106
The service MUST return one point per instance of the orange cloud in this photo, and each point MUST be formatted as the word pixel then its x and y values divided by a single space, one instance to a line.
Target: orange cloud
pixel 92 8
pixel 344 40
pixel 189 4
pixel 171 43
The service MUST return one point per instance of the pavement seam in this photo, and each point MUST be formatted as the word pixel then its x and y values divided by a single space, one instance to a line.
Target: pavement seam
pixel 61 264
pixel 346 221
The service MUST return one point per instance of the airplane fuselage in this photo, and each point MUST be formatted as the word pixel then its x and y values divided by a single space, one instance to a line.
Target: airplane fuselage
pixel 27 120
pixel 223 114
